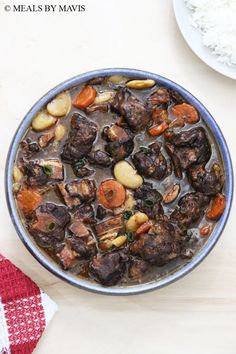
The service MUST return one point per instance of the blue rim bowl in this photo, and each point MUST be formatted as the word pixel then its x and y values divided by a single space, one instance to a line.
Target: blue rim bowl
pixel 86 284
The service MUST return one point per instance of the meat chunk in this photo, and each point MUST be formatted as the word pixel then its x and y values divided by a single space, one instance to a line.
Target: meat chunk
pixel 188 148
pixel 83 248
pixel 102 107
pixel 102 212
pixel 99 158
pixel 109 228
pixel 40 172
pixel 29 147
pixel 85 213
pixel 45 139
pixel 67 257
pixel 83 172
pixel 70 201
pixel 84 189
pixel 35 174
pixel 138 268
pixel 79 229
pixel 48 224
pixel 209 182
pixel 80 169
pixel 76 192
pixel 81 137
pixel 150 162
pixel 53 169
pixel 159 246
pixel 82 241
pixel 131 109
pixel 109 268
pixel 119 142
pixel 159 97
pixel 190 209
pixel 148 200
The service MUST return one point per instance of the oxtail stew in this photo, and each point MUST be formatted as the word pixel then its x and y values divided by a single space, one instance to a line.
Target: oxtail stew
pixel 119 180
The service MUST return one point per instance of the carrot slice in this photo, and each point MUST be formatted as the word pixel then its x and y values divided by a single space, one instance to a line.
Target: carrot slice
pixel 158 129
pixel 217 207
pixel 28 199
pixel 187 112
pixel 143 228
pixel 205 230
pixel 85 97
pixel 111 194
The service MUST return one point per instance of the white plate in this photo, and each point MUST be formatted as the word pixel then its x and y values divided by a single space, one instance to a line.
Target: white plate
pixel 194 40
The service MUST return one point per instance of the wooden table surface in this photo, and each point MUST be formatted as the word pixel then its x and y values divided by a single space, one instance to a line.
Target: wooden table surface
pixel 197 314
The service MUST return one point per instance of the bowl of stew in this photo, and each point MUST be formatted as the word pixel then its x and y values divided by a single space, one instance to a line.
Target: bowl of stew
pixel 119 181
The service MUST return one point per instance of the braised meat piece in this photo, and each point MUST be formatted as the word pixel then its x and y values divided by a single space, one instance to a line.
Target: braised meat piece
pixel 82 240
pixel 82 248
pixel 99 158
pixel 109 228
pixel 176 97
pixel 120 149
pixel 187 148
pixel 79 229
pixel 76 192
pixel 40 172
pixel 102 107
pixel 131 109
pixel 81 137
pixel 209 182
pixel 48 224
pixel 109 268
pixel 35 174
pixel 119 142
pixel 45 139
pixel 102 212
pixel 85 213
pixel 150 162
pixel 53 169
pixel 160 97
pixel 190 209
pixel 84 189
pixel 159 246
pixel 83 172
pixel 70 201
pixel 80 169
pixel 148 200
pixel 29 147
pixel 138 268
pixel 67 257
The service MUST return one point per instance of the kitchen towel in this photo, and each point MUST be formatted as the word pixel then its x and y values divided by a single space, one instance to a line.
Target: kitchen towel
pixel 25 310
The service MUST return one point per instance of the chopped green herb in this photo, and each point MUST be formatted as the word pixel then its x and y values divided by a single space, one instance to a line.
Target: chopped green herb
pixel 79 163
pixel 148 203
pixel 51 226
pixel 127 214
pixel 145 150
pixel 47 169
pixel 130 236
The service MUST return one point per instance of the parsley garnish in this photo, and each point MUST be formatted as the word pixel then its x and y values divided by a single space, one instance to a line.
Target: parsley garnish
pixel 51 226
pixel 130 236
pixel 148 203
pixel 47 169
pixel 79 163
pixel 127 214
pixel 145 150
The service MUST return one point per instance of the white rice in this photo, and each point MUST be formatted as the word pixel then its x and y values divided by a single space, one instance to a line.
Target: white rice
pixel 216 20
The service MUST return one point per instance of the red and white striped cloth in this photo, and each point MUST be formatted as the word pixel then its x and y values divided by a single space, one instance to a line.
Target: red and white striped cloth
pixel 25 310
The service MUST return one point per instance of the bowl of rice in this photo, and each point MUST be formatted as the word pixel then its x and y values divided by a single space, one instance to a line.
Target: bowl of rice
pixel 209 28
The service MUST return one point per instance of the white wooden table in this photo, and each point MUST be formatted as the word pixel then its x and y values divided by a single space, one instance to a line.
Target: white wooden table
pixel 39 50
